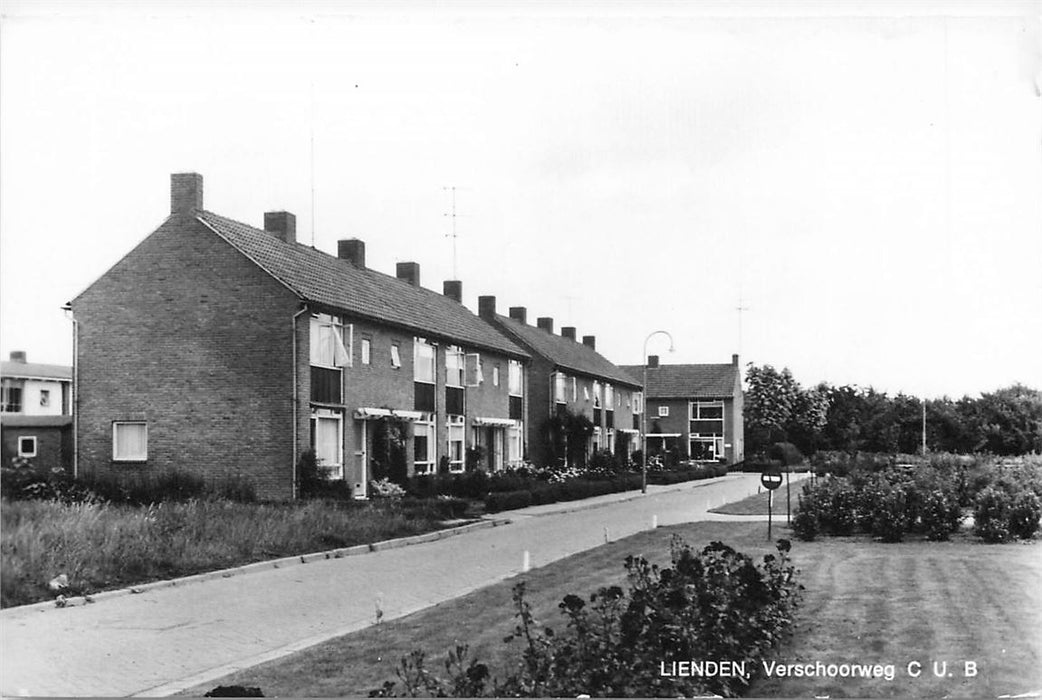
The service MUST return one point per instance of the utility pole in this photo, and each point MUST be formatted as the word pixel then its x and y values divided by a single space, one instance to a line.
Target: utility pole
pixel 924 427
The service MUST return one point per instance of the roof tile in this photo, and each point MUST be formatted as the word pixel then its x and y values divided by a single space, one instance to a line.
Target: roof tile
pixel 687 381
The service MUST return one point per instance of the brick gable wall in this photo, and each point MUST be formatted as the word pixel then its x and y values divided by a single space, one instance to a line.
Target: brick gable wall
pixel 190 336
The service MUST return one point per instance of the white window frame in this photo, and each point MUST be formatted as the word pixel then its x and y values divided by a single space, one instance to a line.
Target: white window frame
pixel 143 457
pixel 428 465
pixel 455 366
pixel 454 432
pixel 638 402
pixel 515 379
pixel 334 470
pixel 596 394
pixel 27 453
pixel 515 447
pixel 45 397
pixel 663 411
pixel 420 345
pixel 609 397
pixel 560 380
pixel 340 352
pixel 575 389
pixel 717 448
pixel 495 375
pixel 586 393
pixel 473 374
pixel 367 351
pixel 396 355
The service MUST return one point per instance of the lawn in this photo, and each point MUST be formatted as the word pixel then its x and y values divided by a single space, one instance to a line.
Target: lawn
pixel 865 602
pixel 757 503
pixel 103 546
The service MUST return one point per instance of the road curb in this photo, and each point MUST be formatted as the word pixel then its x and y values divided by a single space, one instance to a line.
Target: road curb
pixel 281 563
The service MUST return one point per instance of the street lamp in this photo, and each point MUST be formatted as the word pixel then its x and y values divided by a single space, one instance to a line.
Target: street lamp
pixel 644 412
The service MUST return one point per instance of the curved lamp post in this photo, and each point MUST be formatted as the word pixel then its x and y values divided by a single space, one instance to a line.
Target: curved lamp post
pixel 644 412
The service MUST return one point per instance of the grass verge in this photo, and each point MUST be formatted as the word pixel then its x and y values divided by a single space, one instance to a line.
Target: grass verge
pixel 104 547
pixel 757 504
pixel 865 603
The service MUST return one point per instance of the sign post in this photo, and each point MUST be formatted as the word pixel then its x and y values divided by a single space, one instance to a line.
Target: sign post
pixel 788 499
pixel 771 481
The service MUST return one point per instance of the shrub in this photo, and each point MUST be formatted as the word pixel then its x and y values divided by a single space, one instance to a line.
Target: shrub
pixel 385 488
pixel 714 604
pixel 991 515
pixel 940 514
pixel 805 523
pixel 1025 513
pixel 889 514
pixel 507 500
pixel 786 453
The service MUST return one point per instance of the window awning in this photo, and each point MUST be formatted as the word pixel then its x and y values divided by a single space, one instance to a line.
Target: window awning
pixel 663 435
pixel 368 413
pixel 495 422
pixel 627 430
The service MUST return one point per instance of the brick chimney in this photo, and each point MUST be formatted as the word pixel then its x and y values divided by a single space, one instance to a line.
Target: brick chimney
pixel 487 307
pixel 18 356
pixel 568 332
pixel 519 314
pixel 351 250
pixel 652 361
pixel 408 271
pixel 186 192
pixel 453 289
pixel 546 323
pixel 282 225
pixel 590 341
pixel 734 360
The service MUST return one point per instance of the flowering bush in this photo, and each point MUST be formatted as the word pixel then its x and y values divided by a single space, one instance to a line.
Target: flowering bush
pixel 991 515
pixel 385 488
pixel 1025 513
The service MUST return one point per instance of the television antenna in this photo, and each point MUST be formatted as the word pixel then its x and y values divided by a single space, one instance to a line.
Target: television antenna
pixel 452 215
pixel 741 308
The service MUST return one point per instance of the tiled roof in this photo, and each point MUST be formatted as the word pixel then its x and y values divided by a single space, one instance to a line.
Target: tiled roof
pixel 18 420
pixel 566 353
pixel 687 381
pixel 324 279
pixel 10 368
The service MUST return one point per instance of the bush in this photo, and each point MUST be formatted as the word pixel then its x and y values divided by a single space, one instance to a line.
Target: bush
pixel 1024 515
pixel 507 500
pixel 786 453
pixel 889 515
pixel 940 515
pixel 385 488
pixel 805 523
pixel 714 604
pixel 991 515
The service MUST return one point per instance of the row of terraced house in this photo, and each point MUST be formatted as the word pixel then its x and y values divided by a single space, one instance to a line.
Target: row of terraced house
pixel 227 350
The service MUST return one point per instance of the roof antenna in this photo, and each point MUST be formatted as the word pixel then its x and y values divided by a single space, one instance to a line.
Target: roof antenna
pixel 452 215
pixel 740 309
pixel 312 163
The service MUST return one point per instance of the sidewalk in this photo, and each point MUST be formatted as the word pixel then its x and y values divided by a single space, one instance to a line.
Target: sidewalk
pixel 171 638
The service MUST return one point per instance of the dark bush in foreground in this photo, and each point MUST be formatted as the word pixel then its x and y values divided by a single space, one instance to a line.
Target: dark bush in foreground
pixel 713 604
pixel 991 515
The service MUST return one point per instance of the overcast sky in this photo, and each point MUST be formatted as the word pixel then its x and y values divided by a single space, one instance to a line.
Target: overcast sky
pixel 867 180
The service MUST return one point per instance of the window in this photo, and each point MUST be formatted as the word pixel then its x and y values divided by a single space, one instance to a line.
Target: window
pixel 45 397
pixel 366 351
pixel 586 393
pixel 596 394
pixel 11 391
pixel 129 441
pixel 514 456
pixel 707 430
pixel 609 397
pixel 26 445
pixel 514 378
pixel 423 361
pixel 663 411
pixel 455 440
pixel 495 376
pixel 423 447
pixel 327 439
pixel 638 402
pixel 575 389
pixel 453 366
pixel 560 379
pixel 596 439
pixel 396 356
pixel 330 341
pixel 475 375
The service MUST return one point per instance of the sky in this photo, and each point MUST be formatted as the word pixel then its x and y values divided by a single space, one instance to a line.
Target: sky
pixel 864 180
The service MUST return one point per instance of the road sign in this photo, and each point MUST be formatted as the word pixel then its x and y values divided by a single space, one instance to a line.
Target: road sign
pixel 771 480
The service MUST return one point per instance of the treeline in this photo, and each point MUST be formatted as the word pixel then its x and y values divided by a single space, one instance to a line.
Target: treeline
pixel 1007 421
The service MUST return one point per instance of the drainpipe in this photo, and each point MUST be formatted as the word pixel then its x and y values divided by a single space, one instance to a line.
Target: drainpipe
pixel 74 399
pixel 297 315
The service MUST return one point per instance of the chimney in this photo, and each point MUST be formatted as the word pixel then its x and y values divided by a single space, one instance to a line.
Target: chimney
pixel 453 289
pixel 408 271
pixel 186 192
pixel 734 360
pixel 351 250
pixel 519 314
pixel 282 224
pixel 568 332
pixel 590 341
pixel 546 323
pixel 18 356
pixel 652 361
pixel 487 308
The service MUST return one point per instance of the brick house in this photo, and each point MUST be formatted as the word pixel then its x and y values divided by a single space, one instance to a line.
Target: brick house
pixel 35 412
pixel 226 350
pixel 569 376
pixel 695 409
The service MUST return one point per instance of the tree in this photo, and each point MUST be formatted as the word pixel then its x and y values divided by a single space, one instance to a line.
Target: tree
pixel 769 402
pixel 1011 420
